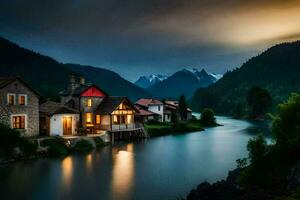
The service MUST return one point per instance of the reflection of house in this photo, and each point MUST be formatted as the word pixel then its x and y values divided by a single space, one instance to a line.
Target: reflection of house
pixel 19 106
pixel 98 110
pixel 58 119
pixel 173 108
pixel 145 115
pixel 152 105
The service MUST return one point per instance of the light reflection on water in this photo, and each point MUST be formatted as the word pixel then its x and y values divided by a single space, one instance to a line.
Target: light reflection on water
pixel 158 168
pixel 123 173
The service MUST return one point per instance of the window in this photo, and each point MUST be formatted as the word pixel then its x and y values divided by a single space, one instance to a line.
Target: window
pixel 89 102
pixel 89 117
pixel 18 122
pixel 98 119
pixel 22 100
pixel 11 99
pixel 119 119
pixel 158 108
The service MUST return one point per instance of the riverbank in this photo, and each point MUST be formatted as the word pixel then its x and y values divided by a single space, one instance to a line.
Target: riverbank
pixel 156 129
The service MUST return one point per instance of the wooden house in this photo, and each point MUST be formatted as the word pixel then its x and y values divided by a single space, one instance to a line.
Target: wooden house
pixel 98 111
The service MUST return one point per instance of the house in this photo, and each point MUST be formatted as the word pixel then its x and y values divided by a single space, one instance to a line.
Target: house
pixel 173 108
pixel 19 106
pixel 57 119
pixel 152 105
pixel 145 115
pixel 98 111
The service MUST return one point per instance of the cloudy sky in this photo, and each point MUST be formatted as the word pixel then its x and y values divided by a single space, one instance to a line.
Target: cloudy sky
pixel 137 37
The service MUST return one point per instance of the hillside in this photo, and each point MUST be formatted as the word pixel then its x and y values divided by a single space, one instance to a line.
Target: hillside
pixel 49 77
pixel 277 70
pixel 109 81
pixel 182 82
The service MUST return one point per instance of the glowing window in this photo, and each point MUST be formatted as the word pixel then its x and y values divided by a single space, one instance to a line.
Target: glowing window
pixel 89 103
pixel 22 100
pixel 98 119
pixel 11 99
pixel 89 117
pixel 18 122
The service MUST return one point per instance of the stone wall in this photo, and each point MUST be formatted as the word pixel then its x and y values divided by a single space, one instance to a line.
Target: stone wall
pixel 31 110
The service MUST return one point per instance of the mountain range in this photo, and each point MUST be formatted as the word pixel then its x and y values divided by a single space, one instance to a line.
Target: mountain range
pixel 181 82
pixel 49 77
pixel 276 70
pixel 148 81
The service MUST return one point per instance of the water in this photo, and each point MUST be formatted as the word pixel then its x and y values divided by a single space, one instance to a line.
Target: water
pixel 158 168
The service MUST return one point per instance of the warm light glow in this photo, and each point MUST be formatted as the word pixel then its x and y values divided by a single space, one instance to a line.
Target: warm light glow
pixel 67 171
pixel 89 102
pixel 129 119
pixel 98 119
pixel 89 117
pixel 89 162
pixel 123 173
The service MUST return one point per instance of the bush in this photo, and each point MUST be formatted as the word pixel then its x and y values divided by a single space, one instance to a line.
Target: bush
pixel 56 146
pixel 257 148
pixel 208 117
pixel 82 146
pixel 28 147
pixel 9 140
pixel 99 142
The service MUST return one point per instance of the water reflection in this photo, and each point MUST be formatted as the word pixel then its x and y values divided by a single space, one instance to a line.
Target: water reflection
pixel 123 173
pixel 67 171
pixel 89 163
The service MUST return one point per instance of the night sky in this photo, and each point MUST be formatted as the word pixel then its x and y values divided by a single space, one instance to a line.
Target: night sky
pixel 140 37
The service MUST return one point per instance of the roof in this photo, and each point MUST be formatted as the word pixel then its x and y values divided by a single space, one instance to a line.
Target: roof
pixel 148 102
pixel 52 108
pixel 111 103
pixel 143 112
pixel 79 90
pixel 4 81
pixel 174 105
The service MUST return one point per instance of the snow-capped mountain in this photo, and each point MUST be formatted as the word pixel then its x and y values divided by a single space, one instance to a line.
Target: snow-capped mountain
pixel 148 81
pixel 185 81
pixel 217 76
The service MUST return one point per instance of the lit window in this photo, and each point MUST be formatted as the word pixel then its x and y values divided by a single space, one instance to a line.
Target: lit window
pixel 129 119
pixel 18 122
pixel 89 102
pixel 11 99
pixel 22 100
pixel 89 117
pixel 98 119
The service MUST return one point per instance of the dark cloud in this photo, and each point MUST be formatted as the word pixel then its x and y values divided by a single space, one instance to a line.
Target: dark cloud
pixel 134 37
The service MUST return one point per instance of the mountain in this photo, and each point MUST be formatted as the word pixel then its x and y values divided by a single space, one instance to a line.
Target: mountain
pixel 49 77
pixel 110 82
pixel 148 81
pixel 277 70
pixel 182 82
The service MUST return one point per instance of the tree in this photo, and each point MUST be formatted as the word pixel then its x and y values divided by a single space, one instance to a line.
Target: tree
pixel 259 100
pixel 286 124
pixel 208 117
pixel 257 148
pixel 182 107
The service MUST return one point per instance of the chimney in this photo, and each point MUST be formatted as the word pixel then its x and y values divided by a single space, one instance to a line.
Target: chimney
pixel 73 83
pixel 82 80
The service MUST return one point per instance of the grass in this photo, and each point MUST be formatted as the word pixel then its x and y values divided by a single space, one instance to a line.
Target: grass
pixel 160 129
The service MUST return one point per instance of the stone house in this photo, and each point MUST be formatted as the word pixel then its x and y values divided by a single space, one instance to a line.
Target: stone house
pixel 19 106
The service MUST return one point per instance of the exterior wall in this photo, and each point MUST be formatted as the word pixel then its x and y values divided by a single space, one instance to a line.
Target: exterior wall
pixel 85 109
pixel 167 117
pixel 56 124
pixel 155 109
pixel 30 110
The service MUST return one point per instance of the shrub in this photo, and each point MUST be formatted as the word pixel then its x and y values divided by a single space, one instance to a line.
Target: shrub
pixel 28 147
pixel 82 146
pixel 9 139
pixel 56 146
pixel 257 149
pixel 208 117
pixel 99 142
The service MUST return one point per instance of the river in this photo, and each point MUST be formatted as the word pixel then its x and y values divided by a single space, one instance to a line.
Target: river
pixel 158 168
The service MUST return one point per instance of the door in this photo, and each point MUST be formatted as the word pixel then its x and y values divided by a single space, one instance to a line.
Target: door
pixel 67 125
